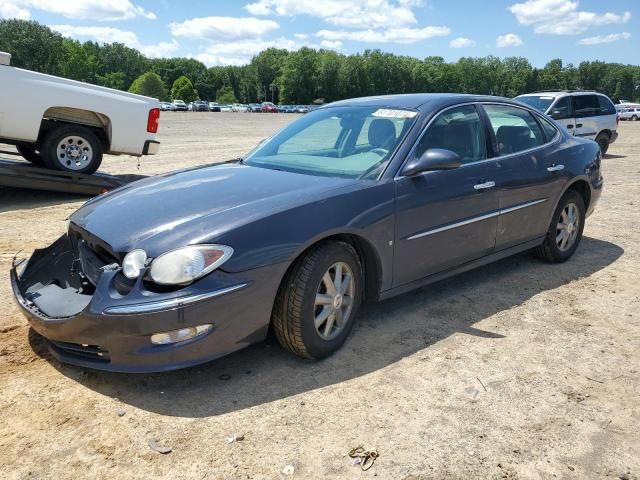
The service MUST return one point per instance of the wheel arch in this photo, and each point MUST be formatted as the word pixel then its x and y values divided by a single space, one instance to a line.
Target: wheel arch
pixel 97 122
pixel 583 188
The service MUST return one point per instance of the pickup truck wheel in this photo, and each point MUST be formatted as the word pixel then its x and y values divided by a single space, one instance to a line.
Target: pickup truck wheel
pixel 603 141
pixel 30 154
pixel 72 148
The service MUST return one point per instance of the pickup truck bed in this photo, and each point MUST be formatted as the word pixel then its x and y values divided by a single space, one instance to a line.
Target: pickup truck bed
pixel 18 174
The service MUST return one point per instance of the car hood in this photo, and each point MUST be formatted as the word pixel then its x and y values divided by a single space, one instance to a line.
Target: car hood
pixel 193 206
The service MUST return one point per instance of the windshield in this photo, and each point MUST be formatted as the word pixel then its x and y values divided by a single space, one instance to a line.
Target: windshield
pixel 539 102
pixel 347 142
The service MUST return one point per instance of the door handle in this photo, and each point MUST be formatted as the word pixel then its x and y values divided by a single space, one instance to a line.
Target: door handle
pixel 484 186
pixel 555 168
pixel 569 127
pixel 578 125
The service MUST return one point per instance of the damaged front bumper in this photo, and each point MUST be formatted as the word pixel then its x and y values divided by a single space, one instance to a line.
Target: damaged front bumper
pixel 109 326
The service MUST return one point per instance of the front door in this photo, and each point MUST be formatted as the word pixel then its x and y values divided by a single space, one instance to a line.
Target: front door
pixel 562 112
pixel 449 217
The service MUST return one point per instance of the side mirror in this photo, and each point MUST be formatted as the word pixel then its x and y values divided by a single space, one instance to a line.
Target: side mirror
pixel 433 159
pixel 556 114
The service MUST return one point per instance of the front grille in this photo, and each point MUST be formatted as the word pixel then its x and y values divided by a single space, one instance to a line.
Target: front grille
pixel 92 353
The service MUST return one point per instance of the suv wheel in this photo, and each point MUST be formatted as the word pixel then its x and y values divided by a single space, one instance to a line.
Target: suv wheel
pixel 72 148
pixel 317 303
pixel 603 141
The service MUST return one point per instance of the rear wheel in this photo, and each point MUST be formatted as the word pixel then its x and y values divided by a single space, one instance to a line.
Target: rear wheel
pixel 634 118
pixel 72 148
pixel 603 142
pixel 317 303
pixel 565 231
pixel 30 154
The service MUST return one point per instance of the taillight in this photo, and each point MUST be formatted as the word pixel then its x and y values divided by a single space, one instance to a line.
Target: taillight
pixel 153 120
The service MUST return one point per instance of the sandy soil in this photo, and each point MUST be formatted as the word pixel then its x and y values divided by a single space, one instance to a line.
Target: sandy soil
pixel 514 371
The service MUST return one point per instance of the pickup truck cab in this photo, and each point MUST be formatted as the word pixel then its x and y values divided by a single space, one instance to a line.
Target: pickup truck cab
pixel 67 125
pixel 584 113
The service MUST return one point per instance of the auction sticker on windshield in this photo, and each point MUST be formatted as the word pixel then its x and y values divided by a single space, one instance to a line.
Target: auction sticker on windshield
pixel 390 113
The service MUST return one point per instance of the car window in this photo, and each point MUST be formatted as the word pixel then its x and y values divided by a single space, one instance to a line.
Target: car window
pixel 606 105
pixel 550 130
pixel 586 106
pixel 458 129
pixel 322 135
pixel 515 129
pixel 561 109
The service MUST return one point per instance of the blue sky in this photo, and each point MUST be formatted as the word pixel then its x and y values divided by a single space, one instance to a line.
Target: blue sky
pixel 231 32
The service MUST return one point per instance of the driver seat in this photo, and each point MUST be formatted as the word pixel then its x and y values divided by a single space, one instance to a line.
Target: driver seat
pixel 382 133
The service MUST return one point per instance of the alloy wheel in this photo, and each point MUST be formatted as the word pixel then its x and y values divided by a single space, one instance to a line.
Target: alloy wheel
pixel 568 227
pixel 334 300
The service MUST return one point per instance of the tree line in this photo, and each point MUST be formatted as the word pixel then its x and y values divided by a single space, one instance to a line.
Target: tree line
pixel 303 76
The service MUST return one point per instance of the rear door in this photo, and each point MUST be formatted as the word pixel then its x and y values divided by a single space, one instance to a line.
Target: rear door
pixel 588 115
pixel 530 173
pixel 448 217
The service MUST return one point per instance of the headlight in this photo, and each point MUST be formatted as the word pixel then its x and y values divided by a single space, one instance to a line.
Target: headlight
pixel 187 264
pixel 133 263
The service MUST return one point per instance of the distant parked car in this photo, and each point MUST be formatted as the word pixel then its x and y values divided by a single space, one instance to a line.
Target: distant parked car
pixel 302 109
pixel 632 113
pixel 214 107
pixel 269 107
pixel 200 106
pixel 239 107
pixel 584 113
pixel 226 108
pixel 254 107
pixel 180 106
pixel 166 106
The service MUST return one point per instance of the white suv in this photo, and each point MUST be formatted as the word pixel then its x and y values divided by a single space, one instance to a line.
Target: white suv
pixel 584 113
pixel 631 113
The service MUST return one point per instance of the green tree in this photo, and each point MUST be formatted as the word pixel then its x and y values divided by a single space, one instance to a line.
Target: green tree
pixel 115 80
pixel 226 95
pixel 151 85
pixel 32 46
pixel 183 89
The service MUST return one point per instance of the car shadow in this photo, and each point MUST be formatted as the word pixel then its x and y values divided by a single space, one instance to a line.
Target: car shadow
pixel 385 333
pixel 611 156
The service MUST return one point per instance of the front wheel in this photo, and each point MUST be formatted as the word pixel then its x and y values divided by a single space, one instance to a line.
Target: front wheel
pixel 30 154
pixel 72 148
pixel 565 231
pixel 318 300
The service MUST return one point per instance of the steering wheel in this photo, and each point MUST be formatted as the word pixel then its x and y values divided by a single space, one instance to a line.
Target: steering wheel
pixel 380 151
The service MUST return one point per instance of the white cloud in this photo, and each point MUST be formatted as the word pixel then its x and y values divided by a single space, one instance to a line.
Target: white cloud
pixel 331 44
pixel 390 35
pixel 240 52
pixel 508 40
pixel 462 42
pixel 223 28
pixel 110 35
pixel 344 13
pixel 613 37
pixel 301 36
pixel 562 17
pixel 76 9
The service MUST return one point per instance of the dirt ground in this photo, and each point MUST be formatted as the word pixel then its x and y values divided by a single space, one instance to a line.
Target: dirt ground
pixel 518 370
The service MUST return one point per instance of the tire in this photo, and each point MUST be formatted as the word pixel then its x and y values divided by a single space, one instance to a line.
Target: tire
pixel 30 154
pixel 603 141
pixel 80 142
pixel 295 309
pixel 634 118
pixel 551 249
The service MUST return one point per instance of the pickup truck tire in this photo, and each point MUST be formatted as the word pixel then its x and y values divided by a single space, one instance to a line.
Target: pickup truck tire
pixel 72 148
pixel 30 154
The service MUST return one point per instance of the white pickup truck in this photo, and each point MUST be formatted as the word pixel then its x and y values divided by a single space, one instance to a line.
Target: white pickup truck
pixel 66 125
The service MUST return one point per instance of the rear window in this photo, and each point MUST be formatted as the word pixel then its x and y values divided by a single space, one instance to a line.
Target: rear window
pixel 606 105
pixel 550 130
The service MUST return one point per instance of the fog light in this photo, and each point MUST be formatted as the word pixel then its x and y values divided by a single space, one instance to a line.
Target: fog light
pixel 175 336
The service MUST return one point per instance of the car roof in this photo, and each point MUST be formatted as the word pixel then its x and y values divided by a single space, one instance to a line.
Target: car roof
pixel 418 101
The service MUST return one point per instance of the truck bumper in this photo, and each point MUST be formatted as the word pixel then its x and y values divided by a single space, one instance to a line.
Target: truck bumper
pixel 151 147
